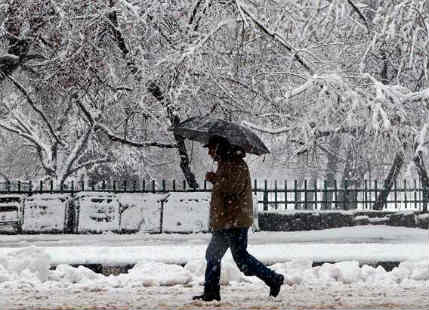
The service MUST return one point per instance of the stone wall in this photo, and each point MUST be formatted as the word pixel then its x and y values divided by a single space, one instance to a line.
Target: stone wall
pixel 313 220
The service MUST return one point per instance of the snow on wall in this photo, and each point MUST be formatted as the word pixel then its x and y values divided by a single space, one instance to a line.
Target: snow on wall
pixel 46 212
pixel 189 212
pixel 186 213
pixel 140 212
pixel 97 212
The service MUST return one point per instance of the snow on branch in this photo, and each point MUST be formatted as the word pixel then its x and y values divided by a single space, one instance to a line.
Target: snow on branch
pixel 34 107
pixel 361 16
pixel 8 59
pixel 417 96
pixel 243 17
pixel 277 37
pixel 114 137
pixel 191 50
pixel 88 164
pixel 117 138
pixel 272 131
pixel 74 154
pixel 19 132
pixel 421 138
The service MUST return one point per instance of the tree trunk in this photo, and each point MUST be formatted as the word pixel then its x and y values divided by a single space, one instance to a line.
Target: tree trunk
pixel 424 179
pixel 390 180
pixel 174 119
pixel 354 173
pixel 331 167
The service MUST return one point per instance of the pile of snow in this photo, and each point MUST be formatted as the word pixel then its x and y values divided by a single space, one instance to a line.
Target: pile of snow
pixel 29 267
pixel 30 264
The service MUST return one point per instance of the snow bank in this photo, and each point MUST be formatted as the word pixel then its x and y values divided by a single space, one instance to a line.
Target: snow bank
pixel 28 263
pixel 30 267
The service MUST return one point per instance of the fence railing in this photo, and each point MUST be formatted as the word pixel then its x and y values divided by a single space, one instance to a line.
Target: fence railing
pixel 272 195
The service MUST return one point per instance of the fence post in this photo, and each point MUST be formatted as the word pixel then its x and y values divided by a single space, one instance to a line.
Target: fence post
pixel 415 195
pixel 275 194
pixel 325 195
pixel 405 194
pixel 295 183
pixel 305 195
pixel 375 190
pixel 345 196
pixel 365 199
pixel 315 194
pixel 425 194
pixel 395 195
pixel 161 216
pixel 265 195
pixel 285 194
pixel 335 201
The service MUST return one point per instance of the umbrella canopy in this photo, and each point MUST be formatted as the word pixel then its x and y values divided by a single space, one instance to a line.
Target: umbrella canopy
pixel 202 128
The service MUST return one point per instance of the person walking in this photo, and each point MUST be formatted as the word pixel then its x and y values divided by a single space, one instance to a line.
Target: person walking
pixel 231 215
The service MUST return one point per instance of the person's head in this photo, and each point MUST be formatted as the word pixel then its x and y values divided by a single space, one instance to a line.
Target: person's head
pixel 220 149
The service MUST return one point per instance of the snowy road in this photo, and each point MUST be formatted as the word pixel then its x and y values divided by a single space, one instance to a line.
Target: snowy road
pixel 245 296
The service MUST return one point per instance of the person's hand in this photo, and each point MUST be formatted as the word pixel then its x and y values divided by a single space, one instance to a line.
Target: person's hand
pixel 211 177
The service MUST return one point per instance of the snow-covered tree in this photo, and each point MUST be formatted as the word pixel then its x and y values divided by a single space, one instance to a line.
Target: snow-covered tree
pixel 87 82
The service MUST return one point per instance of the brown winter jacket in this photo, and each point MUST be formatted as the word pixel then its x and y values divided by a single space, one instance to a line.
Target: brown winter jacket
pixel 231 204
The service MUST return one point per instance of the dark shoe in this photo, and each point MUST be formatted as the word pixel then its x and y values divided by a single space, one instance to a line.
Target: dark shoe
pixel 276 284
pixel 208 295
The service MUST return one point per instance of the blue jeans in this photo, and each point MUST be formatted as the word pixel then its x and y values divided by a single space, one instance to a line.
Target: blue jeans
pixel 236 240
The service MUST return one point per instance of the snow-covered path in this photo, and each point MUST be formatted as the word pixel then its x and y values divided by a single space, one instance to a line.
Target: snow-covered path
pixel 157 282
pixel 240 297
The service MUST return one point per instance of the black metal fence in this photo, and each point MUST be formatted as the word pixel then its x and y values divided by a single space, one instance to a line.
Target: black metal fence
pixel 272 195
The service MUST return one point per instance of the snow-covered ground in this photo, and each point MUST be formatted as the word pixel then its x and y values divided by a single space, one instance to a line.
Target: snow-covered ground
pixel 159 280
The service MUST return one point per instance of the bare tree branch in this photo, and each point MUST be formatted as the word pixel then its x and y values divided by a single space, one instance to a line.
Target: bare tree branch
pixel 35 108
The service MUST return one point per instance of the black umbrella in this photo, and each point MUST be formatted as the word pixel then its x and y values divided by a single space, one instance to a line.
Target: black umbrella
pixel 201 128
